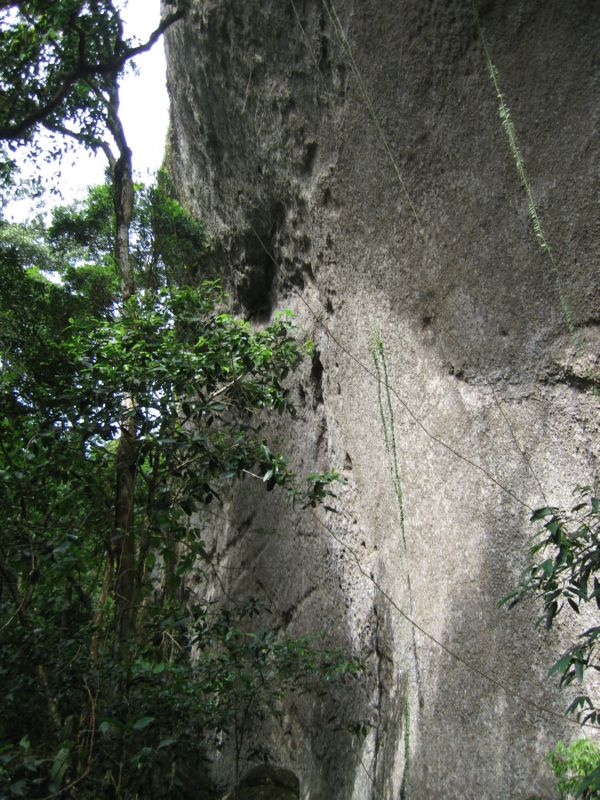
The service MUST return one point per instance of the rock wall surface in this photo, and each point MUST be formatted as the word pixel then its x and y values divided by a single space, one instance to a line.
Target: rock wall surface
pixel 350 162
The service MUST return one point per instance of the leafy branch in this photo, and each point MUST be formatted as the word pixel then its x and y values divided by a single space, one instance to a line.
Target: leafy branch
pixel 40 104
pixel 564 569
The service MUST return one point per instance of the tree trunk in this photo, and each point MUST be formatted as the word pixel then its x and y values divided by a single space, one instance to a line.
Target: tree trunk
pixel 123 203
pixel 124 538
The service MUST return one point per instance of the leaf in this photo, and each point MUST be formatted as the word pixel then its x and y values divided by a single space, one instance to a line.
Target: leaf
pixel 551 612
pixel 579 703
pixel 548 567
pixel 18 788
pixel 186 507
pixel 142 723
pixel 60 765
pixel 109 727
pixel 166 743
pixel 578 507
pixel 591 780
pixel 541 513
pixel 561 665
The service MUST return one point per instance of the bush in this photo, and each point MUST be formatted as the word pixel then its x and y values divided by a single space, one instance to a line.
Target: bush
pixel 577 769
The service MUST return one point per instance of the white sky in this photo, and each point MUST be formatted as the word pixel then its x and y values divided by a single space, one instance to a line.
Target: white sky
pixel 144 113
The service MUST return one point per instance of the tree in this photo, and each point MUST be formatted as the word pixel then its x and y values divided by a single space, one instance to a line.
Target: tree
pixel 59 59
pixel 83 705
pixel 64 62
pixel 129 401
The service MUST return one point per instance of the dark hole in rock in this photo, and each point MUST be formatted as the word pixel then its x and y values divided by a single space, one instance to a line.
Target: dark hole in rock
pixel 255 276
pixel 254 286
pixel 316 377
pixel 267 782
pixel 309 271
pixel 310 155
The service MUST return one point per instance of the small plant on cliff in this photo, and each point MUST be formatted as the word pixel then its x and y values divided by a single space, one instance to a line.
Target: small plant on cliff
pixel 564 572
pixel 576 767
pixel 564 569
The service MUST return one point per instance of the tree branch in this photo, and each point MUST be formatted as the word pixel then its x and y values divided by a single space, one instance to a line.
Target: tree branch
pixel 83 71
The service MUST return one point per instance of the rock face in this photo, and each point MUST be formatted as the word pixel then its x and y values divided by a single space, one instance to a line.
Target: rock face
pixel 351 164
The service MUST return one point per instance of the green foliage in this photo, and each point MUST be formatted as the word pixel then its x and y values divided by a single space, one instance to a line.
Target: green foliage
pixel 47 53
pixel 187 385
pixel 130 400
pixel 179 240
pixel 56 61
pixel 564 571
pixel 167 244
pixel 577 769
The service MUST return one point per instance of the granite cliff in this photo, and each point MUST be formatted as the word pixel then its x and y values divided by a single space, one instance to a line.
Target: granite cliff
pixel 350 162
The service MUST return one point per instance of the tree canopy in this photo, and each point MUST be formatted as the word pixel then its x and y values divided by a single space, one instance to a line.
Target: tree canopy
pixel 58 60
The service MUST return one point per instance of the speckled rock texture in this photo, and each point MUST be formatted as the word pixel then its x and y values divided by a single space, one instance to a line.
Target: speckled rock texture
pixel 350 162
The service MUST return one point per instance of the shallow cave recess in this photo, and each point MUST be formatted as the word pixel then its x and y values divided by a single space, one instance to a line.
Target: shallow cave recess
pixel 268 259
pixel 254 262
pixel 253 278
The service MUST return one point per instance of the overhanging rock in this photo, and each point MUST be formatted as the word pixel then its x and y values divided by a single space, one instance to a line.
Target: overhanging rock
pixel 351 164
